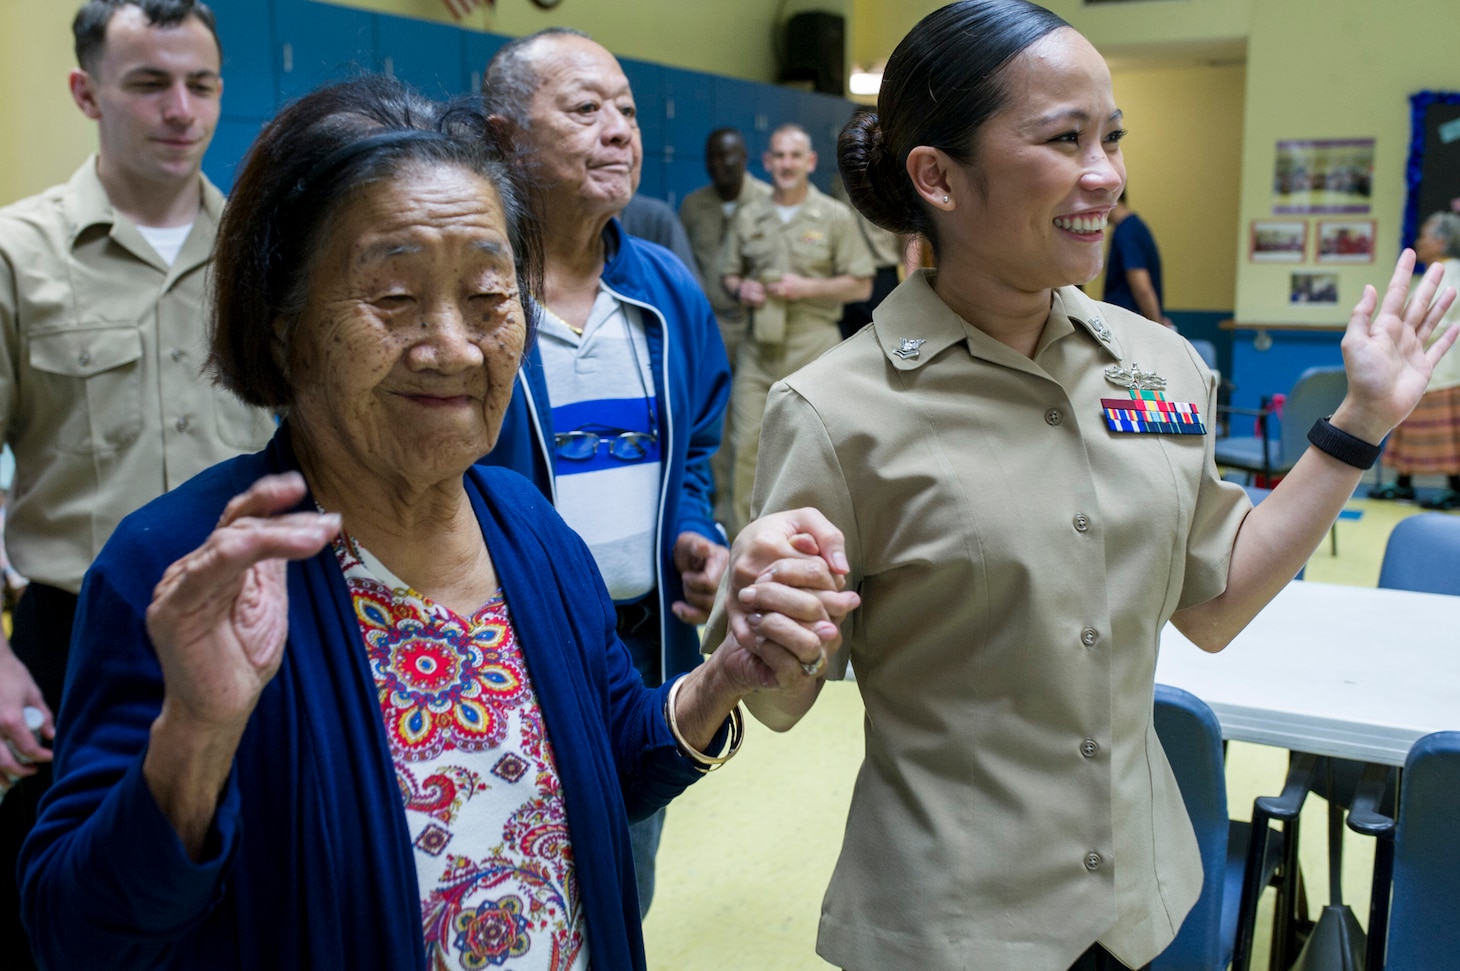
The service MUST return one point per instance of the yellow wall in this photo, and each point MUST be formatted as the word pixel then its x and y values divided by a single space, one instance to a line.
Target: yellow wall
pixel 721 38
pixel 46 135
pixel 1183 158
pixel 1114 28
pixel 1340 69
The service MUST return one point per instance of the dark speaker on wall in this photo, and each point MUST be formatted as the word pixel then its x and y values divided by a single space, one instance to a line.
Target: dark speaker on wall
pixel 816 51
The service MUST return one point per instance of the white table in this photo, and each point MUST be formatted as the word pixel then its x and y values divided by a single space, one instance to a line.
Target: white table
pixel 1352 672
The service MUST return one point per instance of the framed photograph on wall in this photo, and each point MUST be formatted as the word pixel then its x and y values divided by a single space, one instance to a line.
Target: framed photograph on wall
pixel 1333 175
pixel 1321 288
pixel 1278 241
pixel 1345 241
pixel 1433 172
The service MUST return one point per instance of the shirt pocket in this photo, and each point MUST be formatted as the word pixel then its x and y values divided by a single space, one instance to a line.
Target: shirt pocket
pixel 95 384
pixel 241 425
pixel 811 251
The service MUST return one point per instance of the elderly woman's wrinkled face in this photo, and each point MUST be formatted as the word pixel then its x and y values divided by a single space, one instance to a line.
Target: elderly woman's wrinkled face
pixel 403 360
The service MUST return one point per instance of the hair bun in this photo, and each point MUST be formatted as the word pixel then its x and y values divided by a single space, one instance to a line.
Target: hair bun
pixel 875 182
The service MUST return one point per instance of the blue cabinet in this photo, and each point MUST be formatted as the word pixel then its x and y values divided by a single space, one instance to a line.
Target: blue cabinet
pixel 689 111
pixel 477 50
pixel 231 141
pixel 647 81
pixel 246 30
pixel 318 43
pixel 427 56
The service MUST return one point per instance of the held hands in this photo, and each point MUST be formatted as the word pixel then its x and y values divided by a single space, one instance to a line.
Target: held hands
pixel 700 563
pixel 786 599
pixel 1384 353
pixel 751 292
pixel 791 287
pixel 219 615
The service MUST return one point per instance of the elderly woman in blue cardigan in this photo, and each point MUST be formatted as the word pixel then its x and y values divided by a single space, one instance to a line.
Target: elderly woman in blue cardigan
pixel 351 702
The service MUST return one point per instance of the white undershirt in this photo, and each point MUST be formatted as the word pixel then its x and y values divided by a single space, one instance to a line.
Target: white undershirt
pixel 787 213
pixel 166 240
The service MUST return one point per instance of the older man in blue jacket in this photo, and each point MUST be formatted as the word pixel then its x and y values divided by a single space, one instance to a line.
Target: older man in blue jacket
pixel 619 406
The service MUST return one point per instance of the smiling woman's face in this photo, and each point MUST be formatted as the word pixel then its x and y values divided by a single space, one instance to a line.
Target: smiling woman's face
pixel 403 359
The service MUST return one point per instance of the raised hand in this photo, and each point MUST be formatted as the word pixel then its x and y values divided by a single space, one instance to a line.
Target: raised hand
pixel 218 620
pixel 1384 350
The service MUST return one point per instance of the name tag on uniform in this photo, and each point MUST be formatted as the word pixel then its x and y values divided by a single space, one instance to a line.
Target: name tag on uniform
pixel 1149 413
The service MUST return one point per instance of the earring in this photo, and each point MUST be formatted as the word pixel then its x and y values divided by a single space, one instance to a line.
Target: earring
pixel 945 200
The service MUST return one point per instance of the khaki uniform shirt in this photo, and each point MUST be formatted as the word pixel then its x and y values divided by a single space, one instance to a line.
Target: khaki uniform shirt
pixel 703 215
pixel 821 241
pixel 1016 562
pixel 102 397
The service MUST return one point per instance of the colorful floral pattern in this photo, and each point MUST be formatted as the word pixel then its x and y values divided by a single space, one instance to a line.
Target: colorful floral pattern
pixel 476 775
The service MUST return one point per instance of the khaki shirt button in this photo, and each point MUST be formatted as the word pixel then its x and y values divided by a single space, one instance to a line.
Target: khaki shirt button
pixel 1089 748
pixel 1093 860
pixel 1082 523
pixel 85 358
pixel 1054 416
pixel 177 354
pixel 181 424
pixel 1089 636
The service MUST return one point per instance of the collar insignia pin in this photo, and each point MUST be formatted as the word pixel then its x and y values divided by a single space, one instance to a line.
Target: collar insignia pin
pixel 1101 331
pixel 907 348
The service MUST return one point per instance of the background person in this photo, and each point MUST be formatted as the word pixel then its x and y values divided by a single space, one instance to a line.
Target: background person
pixel 795 257
pixel 707 214
pixel 618 406
pixel 352 701
pixel 1133 268
pixel 102 341
pixel 654 220
pixel 1015 555
pixel 1428 441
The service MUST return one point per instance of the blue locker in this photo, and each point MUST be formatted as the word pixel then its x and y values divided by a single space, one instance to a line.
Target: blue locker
pixel 231 140
pixel 246 29
pixel 426 55
pixel 477 49
pixel 317 43
pixel 689 110
pixel 647 82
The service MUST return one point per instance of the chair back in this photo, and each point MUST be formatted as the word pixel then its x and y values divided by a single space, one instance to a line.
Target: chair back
pixel 1316 394
pixel 1424 933
pixel 1192 738
pixel 1423 555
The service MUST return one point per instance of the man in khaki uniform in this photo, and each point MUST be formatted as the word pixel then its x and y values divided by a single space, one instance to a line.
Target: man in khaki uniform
pixel 707 214
pixel 794 259
pixel 103 338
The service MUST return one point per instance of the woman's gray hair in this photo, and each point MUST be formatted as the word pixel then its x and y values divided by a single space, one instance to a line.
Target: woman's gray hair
pixel 1446 226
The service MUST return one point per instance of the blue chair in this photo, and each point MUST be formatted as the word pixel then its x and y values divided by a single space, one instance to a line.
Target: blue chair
pixel 1417 859
pixel 1316 394
pixel 1192 738
pixel 1423 554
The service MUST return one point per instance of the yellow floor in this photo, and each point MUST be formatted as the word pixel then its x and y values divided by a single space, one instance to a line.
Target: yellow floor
pixel 747 853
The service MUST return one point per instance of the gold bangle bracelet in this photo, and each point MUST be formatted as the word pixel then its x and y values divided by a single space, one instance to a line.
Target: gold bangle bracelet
pixel 705 763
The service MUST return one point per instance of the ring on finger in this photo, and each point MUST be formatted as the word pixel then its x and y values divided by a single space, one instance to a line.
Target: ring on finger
pixel 816 667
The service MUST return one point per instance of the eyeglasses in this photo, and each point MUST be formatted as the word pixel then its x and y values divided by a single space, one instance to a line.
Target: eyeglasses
pixel 582 445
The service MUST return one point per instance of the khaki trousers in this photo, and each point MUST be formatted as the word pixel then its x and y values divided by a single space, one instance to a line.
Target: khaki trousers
pixel 757 367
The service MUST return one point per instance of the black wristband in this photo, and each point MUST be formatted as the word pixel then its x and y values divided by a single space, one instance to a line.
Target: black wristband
pixel 1343 446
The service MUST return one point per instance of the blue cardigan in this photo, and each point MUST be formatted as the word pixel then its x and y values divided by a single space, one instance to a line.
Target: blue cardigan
pixel 692 382
pixel 309 863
